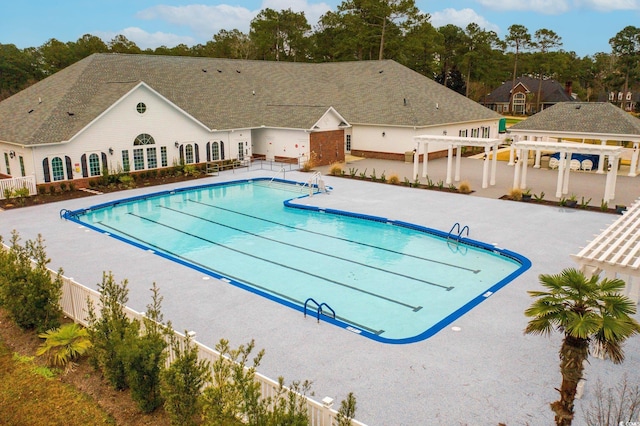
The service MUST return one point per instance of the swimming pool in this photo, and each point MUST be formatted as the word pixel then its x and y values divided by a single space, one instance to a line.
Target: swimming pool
pixel 391 281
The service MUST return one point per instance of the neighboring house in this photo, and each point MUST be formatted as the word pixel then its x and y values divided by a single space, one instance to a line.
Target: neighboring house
pixel 625 100
pixel 525 96
pixel 141 112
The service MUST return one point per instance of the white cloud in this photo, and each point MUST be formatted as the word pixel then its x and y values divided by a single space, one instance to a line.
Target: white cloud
pixel 609 5
pixel 146 40
pixel 312 11
pixel 204 21
pixel 461 18
pixel 548 7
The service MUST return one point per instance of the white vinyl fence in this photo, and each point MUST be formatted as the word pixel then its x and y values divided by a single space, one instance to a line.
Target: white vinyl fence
pixel 74 303
pixel 12 184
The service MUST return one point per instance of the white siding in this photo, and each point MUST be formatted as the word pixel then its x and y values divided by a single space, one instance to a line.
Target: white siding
pixel 280 143
pixel 400 139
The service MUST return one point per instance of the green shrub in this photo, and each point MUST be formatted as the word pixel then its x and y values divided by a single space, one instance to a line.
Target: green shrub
pixel 8 193
pixel 347 410
pixel 111 331
pixel 144 357
pixel 181 384
pixel 63 186
pixel 27 289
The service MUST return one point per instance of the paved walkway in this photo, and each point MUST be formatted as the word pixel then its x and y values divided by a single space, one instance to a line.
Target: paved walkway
pixel 485 373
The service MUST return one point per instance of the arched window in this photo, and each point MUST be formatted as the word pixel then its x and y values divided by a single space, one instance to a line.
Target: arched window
pixel 57 169
pixel 188 153
pixel 215 151
pixel 144 139
pixel 94 165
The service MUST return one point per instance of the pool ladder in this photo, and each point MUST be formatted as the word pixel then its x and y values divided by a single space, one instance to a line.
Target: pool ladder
pixel 457 237
pixel 319 310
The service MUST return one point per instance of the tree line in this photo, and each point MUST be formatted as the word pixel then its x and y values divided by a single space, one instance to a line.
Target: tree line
pixel 471 60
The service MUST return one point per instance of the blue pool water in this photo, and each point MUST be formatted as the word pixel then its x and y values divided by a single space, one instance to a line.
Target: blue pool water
pixel 391 281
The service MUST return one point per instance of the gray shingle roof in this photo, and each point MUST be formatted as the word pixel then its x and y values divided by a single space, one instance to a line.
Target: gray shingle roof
pixel 552 91
pixel 220 94
pixel 582 118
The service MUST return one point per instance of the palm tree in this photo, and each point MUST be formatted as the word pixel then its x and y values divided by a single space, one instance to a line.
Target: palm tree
pixel 64 344
pixel 588 312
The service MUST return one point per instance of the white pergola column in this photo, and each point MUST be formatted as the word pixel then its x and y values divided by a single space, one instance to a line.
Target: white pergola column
pixel 485 167
pixel 512 152
pixel 425 160
pixel 449 162
pixel 516 171
pixel 567 171
pixel 525 165
pixel 536 163
pixel 458 159
pixel 601 158
pixel 561 167
pixel 416 160
pixel 610 184
pixel 494 165
pixel 633 170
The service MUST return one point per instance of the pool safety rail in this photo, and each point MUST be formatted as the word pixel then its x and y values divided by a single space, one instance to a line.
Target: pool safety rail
pixel 74 302
pixel 461 231
pixel 319 310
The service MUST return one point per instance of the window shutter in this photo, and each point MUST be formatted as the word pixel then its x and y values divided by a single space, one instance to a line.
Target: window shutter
pixel 45 168
pixel 208 151
pixel 67 160
pixel 197 152
pixel 83 162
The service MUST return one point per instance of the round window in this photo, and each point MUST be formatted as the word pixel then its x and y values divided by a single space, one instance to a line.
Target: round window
pixel 141 107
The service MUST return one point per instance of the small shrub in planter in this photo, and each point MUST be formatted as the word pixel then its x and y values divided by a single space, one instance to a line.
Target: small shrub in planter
pixel 394 179
pixel 42 190
pixel 335 170
pixel 515 194
pixel 63 186
pixel 52 189
pixel 539 197
pixel 464 187
pixel 72 186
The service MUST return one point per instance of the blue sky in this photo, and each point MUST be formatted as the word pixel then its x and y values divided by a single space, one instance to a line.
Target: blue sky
pixel 584 25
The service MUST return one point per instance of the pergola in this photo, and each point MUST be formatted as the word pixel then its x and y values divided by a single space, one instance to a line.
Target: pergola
pixel 565 149
pixel 616 252
pixel 422 146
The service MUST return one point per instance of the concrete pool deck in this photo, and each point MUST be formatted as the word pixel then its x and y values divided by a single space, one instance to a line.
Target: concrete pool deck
pixel 485 373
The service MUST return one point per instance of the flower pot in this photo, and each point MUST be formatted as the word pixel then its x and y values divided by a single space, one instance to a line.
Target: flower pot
pixel 571 203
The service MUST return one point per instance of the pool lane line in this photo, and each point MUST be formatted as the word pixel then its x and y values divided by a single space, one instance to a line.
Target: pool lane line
pixel 447 288
pixel 265 291
pixel 451 265
pixel 379 296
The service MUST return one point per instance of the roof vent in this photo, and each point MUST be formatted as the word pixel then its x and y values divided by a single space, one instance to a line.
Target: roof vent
pixel 30 111
pixel 238 71
pixel 578 106
pixel 70 114
pixel 204 70
pixel 219 70
pixel 405 101
pixel 380 72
